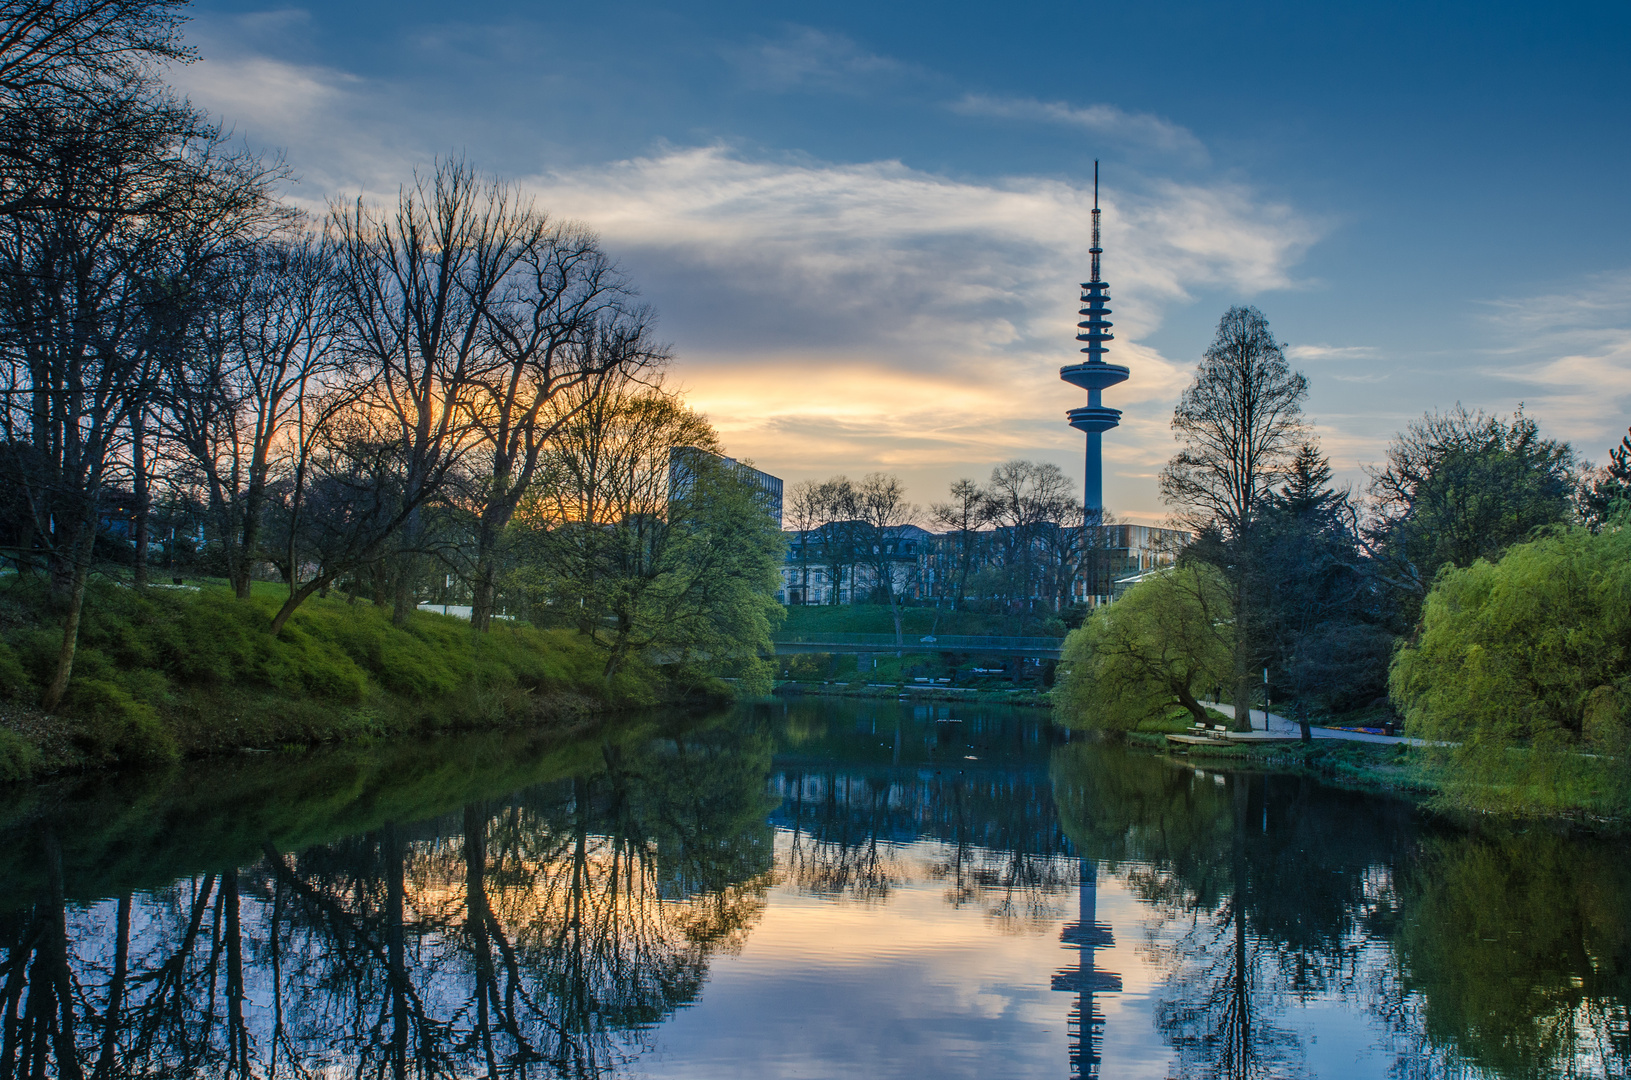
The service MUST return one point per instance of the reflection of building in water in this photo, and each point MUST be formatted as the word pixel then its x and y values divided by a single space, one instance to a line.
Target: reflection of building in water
pixel 1085 935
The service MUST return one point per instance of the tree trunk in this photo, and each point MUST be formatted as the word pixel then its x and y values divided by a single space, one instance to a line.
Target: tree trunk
pixel 483 588
pixel 296 598
pixel 379 575
pixel 1243 671
pixel 894 608
pixel 1196 709
pixel 402 607
pixel 243 565
pixel 140 523
pixel 482 593
pixel 70 627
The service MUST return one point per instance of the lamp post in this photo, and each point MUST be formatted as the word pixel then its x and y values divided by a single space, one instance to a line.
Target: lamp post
pixel 1265 699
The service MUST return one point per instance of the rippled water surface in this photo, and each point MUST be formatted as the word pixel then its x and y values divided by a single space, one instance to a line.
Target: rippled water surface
pixel 807 889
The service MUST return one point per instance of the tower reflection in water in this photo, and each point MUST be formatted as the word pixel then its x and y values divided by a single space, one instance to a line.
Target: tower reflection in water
pixel 1085 935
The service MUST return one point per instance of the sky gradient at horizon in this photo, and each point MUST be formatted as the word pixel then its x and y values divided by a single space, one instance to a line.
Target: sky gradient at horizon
pixel 863 226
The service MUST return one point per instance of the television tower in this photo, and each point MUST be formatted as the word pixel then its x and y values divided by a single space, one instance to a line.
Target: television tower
pixel 1087 934
pixel 1095 374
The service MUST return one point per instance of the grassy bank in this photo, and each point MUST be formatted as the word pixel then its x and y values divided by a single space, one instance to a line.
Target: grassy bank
pixel 1376 766
pixel 165 673
pixel 1571 788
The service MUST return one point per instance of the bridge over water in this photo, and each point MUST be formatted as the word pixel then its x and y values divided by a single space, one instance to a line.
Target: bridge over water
pixel 1040 648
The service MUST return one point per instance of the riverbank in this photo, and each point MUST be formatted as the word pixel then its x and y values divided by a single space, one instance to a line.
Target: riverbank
pixel 168 673
pixel 1391 767
pixel 1570 789
pixel 1027 697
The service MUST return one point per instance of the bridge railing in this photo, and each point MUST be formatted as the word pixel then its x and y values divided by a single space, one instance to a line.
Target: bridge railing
pixel 926 643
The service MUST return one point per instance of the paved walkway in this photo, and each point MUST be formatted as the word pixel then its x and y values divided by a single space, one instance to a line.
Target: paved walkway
pixel 1281 726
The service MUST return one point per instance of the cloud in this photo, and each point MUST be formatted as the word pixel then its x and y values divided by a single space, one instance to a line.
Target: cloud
pixel 854 316
pixel 343 132
pixel 1574 348
pixel 810 59
pixel 1330 352
pixel 838 316
pixel 1107 120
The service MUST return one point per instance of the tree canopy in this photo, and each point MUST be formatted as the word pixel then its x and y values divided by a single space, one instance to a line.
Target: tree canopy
pixel 1161 646
pixel 1523 666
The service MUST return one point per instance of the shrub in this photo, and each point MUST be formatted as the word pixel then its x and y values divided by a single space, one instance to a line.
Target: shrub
pixel 117 727
pixel 14 680
pixel 18 757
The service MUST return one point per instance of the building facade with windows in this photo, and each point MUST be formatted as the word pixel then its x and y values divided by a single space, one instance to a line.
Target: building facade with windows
pixel 844 562
pixel 684 462
pixel 1049 564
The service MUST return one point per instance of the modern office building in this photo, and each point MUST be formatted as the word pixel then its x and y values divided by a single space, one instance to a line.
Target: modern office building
pixel 684 463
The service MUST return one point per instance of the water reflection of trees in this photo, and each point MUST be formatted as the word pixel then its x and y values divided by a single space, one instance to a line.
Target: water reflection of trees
pixel 538 935
pixel 1507 952
pixel 1515 956
pixel 1001 846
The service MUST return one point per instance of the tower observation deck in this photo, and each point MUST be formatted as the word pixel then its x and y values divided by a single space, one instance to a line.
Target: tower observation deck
pixel 1094 375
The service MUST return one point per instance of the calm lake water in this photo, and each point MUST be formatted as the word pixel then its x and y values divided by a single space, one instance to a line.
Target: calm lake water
pixel 808 889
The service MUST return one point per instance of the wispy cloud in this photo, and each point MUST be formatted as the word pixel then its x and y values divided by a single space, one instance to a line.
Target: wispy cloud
pixel 1574 348
pixel 1107 120
pixel 1331 352
pixel 809 59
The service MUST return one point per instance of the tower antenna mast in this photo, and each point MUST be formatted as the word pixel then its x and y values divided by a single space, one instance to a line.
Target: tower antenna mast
pixel 1094 375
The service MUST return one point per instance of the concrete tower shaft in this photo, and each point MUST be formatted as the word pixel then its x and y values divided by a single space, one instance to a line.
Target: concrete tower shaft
pixel 1094 375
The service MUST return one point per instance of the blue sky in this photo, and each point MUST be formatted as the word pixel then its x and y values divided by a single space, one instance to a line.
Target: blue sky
pixel 863 225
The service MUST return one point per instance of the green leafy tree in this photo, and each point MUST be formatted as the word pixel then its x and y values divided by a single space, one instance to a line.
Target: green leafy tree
pixel 1160 646
pixel 680 570
pixel 1461 486
pixel 1523 666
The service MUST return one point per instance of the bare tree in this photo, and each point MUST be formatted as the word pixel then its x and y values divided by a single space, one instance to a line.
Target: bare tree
pixel 421 283
pixel 964 516
pixel 74 55
pixel 881 500
pixel 841 532
pixel 648 541
pixel 1239 425
pixel 804 513
pixel 142 199
pixel 1025 498
pixel 564 320
pixel 229 405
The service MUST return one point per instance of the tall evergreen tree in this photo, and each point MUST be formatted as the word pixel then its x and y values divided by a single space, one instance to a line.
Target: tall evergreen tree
pixel 1605 487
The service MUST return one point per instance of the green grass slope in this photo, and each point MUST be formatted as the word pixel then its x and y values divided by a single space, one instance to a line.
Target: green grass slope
pixel 165 673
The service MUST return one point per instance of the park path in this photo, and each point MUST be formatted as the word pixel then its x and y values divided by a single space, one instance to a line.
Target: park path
pixel 1280 725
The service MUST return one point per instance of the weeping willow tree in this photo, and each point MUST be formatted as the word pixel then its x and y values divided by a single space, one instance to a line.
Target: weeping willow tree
pixel 1521 675
pixel 647 540
pixel 1162 646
